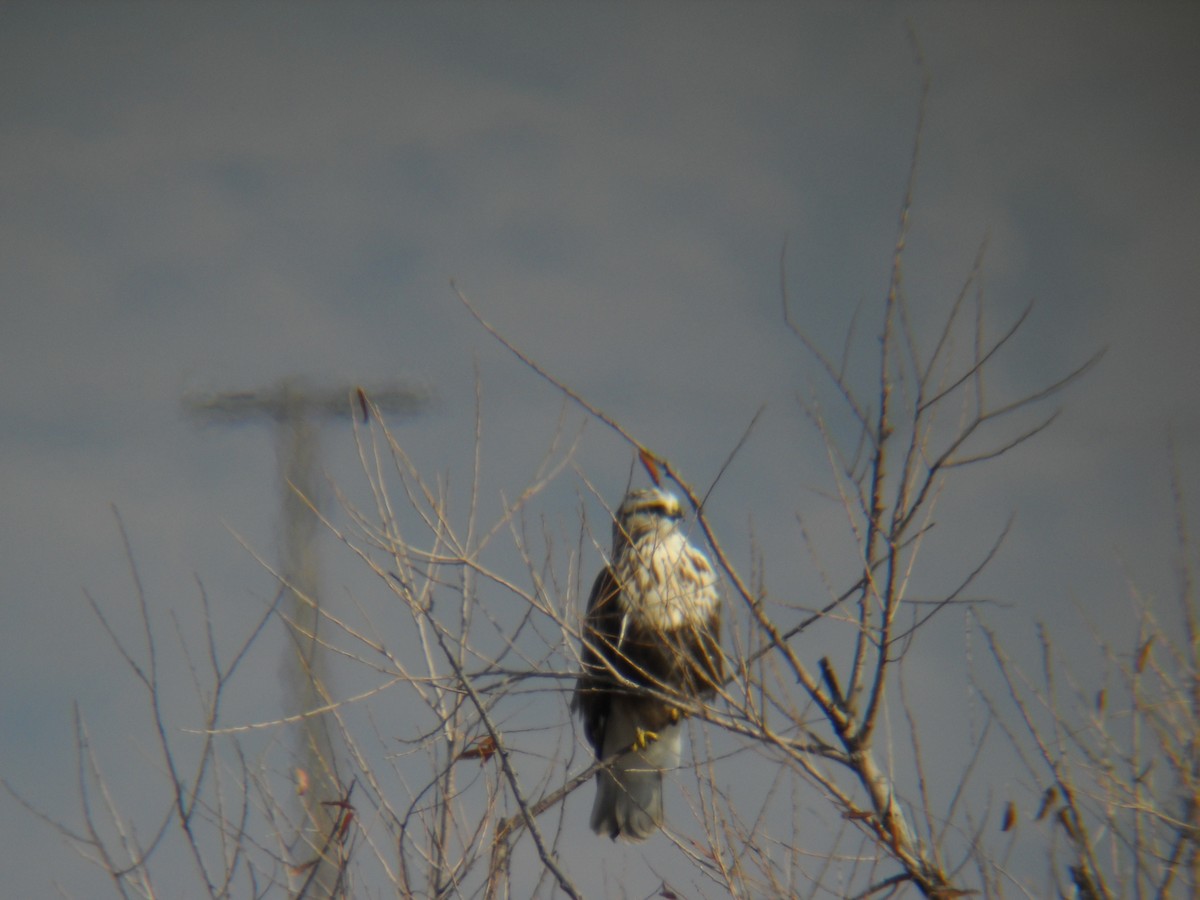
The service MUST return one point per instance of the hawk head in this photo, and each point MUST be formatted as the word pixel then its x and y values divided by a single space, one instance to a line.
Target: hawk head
pixel 644 511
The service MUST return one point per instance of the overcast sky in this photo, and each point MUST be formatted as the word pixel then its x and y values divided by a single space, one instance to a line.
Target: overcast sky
pixel 199 198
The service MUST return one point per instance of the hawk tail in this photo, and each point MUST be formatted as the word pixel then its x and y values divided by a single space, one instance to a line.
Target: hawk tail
pixel 629 796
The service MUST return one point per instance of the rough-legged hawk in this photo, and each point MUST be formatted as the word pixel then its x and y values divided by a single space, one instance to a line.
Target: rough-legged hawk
pixel 652 633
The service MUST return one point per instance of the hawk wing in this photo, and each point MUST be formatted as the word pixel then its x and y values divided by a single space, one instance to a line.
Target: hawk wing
pixel 601 635
pixel 621 654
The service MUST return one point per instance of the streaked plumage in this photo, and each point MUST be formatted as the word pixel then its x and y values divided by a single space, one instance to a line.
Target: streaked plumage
pixel 653 624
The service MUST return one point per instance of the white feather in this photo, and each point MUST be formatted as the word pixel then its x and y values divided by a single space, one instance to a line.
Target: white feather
pixel 629 797
pixel 667 582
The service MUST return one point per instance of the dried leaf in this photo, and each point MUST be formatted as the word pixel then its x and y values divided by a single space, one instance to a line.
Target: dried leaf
pixel 362 404
pixel 650 464
pixel 303 867
pixel 1065 821
pixel 1010 817
pixel 1048 798
pixel 1143 655
pixel 302 782
pixel 482 749
pixel 345 826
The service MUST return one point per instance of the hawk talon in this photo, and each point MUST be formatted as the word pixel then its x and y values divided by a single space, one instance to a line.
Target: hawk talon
pixel 644 739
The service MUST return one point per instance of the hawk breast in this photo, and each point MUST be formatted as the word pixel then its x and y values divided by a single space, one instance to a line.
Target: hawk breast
pixel 666 583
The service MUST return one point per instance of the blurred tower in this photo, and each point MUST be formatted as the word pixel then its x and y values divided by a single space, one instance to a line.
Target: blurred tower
pixel 297 410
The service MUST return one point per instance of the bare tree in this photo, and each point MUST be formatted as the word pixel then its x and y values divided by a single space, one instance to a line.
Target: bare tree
pixel 1114 762
pixel 458 756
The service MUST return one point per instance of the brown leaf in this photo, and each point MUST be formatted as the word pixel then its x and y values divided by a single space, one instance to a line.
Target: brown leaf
pixel 304 867
pixel 1065 821
pixel 1048 798
pixel 650 464
pixel 345 826
pixel 1143 655
pixel 1010 817
pixel 362 404
pixel 482 749
pixel 301 777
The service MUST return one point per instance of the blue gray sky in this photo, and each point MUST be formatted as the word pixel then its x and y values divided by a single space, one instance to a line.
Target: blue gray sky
pixel 198 198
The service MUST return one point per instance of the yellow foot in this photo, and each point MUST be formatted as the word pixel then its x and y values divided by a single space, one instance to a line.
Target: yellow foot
pixel 674 715
pixel 644 739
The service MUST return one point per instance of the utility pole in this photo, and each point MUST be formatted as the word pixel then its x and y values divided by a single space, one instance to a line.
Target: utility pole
pixel 296 410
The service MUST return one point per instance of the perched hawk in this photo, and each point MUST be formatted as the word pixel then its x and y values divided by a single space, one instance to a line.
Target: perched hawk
pixel 653 625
